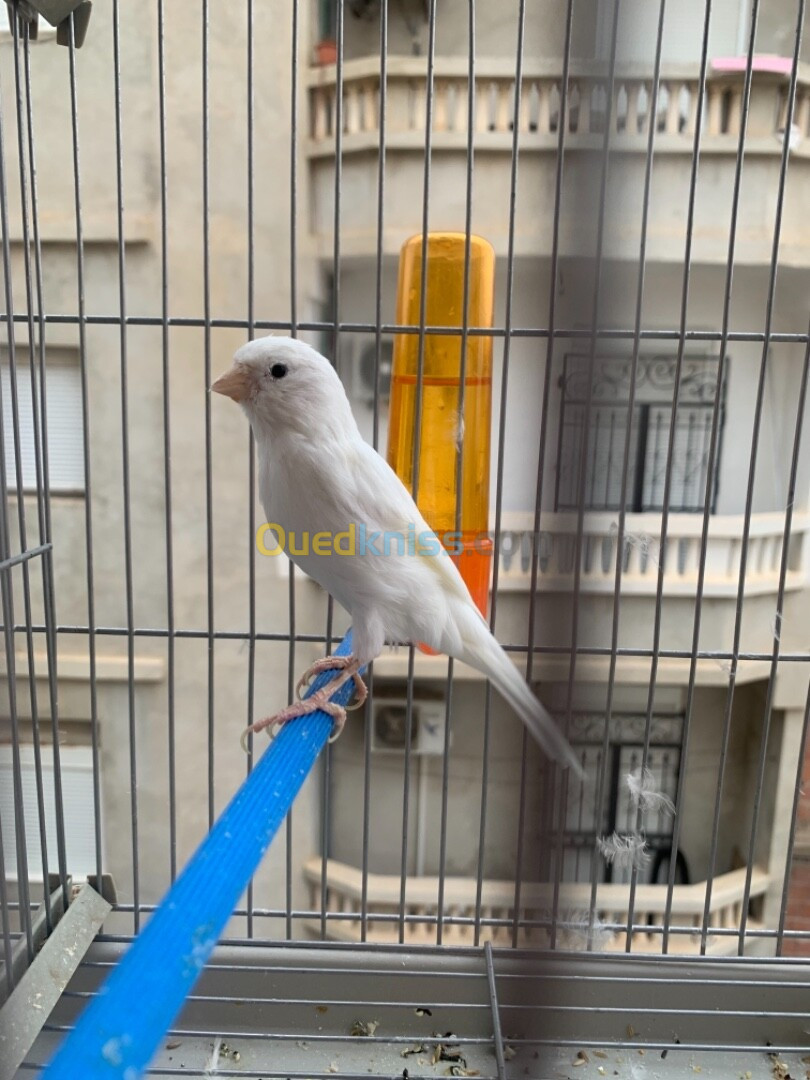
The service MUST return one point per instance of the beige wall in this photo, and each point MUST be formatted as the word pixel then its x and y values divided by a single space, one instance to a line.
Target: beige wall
pixel 496 26
pixel 545 29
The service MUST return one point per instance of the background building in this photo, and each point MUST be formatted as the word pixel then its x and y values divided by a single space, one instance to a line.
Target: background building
pixel 183 645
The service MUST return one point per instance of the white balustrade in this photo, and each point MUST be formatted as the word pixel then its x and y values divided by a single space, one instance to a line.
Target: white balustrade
pixel 556 546
pixel 587 104
pixel 344 893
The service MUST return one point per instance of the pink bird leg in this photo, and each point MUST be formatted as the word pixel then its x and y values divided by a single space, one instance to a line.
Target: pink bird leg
pixel 334 663
pixel 348 667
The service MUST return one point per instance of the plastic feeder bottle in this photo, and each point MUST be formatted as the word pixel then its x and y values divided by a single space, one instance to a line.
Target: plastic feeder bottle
pixel 469 544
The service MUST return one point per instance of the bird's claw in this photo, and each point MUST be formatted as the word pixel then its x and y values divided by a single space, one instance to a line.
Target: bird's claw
pixel 321 699
pixel 338 714
pixel 273 724
pixel 327 663
pixel 332 663
pixel 361 693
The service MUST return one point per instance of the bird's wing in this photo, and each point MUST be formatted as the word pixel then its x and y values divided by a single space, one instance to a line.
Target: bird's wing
pixel 402 583
pixel 387 504
pixel 378 492
pixel 466 633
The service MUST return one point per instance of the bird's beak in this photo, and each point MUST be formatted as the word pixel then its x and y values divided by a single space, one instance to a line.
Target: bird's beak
pixel 235 384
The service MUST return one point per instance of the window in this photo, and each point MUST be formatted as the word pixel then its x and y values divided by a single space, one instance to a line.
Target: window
pixel 617 813
pixel 77 798
pixel 649 427
pixel 327 19
pixel 64 410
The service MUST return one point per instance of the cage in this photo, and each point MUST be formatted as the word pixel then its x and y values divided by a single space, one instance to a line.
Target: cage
pixel 176 178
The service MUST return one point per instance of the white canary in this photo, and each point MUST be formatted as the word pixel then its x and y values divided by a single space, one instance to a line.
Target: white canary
pixel 318 475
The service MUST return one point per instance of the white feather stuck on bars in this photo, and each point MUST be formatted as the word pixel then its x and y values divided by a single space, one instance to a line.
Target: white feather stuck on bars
pixel 644 792
pixel 624 852
pixel 212 1065
pixel 648 545
pixel 574 929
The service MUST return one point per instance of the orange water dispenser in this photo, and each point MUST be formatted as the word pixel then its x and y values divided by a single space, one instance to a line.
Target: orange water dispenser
pixel 441 427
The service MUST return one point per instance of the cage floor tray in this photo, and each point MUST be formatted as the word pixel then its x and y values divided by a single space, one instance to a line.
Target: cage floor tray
pixel 312 1011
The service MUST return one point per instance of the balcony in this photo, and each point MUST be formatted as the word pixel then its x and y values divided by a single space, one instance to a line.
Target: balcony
pixel 643 553
pixel 344 898
pixel 639 585
pixel 630 115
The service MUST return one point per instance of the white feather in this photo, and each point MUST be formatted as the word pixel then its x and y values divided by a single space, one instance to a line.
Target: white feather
pixel 576 931
pixel 644 792
pixel 624 852
pixel 212 1064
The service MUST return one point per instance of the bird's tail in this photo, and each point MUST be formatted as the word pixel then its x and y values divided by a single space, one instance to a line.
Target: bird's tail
pixel 483 652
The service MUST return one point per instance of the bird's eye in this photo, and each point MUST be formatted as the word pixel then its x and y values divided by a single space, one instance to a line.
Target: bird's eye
pixel 278 371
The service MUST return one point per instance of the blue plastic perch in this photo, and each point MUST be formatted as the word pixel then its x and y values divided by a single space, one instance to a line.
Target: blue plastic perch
pixel 120 1030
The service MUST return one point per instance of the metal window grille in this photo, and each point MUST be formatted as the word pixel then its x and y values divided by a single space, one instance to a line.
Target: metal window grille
pixel 584 823
pixel 191 177
pixel 647 430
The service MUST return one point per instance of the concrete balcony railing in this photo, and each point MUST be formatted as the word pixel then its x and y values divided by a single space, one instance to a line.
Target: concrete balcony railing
pixel 586 103
pixel 344 892
pixel 586 112
pixel 643 553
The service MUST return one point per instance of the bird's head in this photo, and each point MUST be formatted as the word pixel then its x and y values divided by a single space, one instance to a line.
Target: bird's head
pixel 285 385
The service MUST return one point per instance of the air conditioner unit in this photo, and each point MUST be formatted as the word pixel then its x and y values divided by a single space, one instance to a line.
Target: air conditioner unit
pixel 360 374
pixel 389 726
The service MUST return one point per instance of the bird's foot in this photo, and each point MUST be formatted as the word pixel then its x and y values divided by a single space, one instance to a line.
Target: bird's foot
pixel 321 700
pixel 334 663
pixel 273 724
